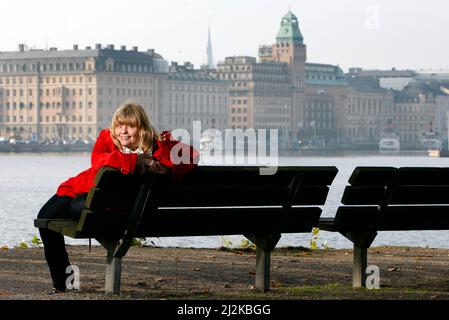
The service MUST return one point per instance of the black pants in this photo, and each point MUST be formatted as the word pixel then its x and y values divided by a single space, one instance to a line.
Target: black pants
pixel 54 246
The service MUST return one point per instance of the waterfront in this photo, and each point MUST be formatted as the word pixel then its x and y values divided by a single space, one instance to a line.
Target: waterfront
pixel 27 180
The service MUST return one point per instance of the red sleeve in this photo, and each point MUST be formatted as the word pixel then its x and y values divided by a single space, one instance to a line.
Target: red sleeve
pixel 105 153
pixel 188 157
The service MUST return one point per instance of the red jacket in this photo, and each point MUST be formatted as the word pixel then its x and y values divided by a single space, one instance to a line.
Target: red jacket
pixel 105 153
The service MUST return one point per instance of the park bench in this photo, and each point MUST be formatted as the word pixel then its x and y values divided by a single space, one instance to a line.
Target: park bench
pixel 208 201
pixel 389 199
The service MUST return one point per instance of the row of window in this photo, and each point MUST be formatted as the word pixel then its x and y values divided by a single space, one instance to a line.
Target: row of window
pixel 47 119
pixel 366 110
pixel 52 129
pixel 320 77
pixel 72 66
pixel 34 67
pixel 47 92
pixel 239 110
pixel 210 109
pixel 186 121
pixel 271 120
pixel 47 80
pixel 74 79
pixel 239 119
pixel 198 88
pixel 53 105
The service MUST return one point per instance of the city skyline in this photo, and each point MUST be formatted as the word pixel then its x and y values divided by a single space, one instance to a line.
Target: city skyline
pixel 367 34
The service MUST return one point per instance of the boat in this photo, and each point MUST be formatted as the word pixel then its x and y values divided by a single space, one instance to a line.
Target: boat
pixel 431 142
pixel 390 142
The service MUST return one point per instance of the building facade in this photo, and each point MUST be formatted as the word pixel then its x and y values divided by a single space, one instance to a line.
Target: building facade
pixel 195 95
pixel 72 94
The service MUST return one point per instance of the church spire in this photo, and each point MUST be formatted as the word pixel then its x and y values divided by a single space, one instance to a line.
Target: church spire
pixel 210 60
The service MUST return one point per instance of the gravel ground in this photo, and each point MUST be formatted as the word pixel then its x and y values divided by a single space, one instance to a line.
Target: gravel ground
pixel 183 273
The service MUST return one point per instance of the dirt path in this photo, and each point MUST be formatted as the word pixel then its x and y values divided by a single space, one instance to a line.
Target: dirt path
pixel 153 273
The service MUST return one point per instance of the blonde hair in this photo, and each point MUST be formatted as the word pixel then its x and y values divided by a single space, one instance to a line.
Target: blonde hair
pixel 133 115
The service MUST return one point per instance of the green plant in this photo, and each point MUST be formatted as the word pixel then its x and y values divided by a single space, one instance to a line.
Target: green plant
pixel 137 242
pixel 143 242
pixel 22 245
pixel 314 238
pixel 36 242
pixel 247 245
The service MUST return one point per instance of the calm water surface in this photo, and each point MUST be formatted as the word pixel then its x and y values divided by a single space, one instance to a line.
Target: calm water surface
pixel 28 180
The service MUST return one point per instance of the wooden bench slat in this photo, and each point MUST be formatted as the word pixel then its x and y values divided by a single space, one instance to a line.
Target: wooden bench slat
pixel 237 195
pixel 363 195
pixel 251 175
pixel 372 176
pixel 100 199
pixel 414 218
pixel 425 194
pixel 356 218
pixel 205 222
pixel 422 176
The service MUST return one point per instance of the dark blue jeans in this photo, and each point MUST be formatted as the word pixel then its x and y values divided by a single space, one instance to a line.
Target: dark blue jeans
pixel 59 207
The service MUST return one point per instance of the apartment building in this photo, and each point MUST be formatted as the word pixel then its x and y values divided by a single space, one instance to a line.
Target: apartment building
pixel 72 94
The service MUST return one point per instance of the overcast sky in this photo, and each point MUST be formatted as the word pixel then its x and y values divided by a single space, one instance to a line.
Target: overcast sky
pixel 364 33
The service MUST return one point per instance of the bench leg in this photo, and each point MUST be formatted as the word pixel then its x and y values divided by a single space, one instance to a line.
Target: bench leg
pixel 360 262
pixel 263 269
pixel 265 244
pixel 362 241
pixel 113 273
pixel 113 266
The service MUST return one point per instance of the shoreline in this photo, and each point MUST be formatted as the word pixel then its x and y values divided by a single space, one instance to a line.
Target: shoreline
pixel 202 273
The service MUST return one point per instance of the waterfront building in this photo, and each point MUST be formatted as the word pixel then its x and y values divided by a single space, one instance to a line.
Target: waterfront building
pixel 414 113
pixel 442 112
pixel 195 95
pixel 325 101
pixel 72 94
pixel 368 112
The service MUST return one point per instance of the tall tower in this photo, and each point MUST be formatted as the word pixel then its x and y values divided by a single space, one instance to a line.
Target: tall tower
pixel 290 48
pixel 210 60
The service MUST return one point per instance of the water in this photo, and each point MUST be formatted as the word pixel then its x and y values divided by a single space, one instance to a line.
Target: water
pixel 28 180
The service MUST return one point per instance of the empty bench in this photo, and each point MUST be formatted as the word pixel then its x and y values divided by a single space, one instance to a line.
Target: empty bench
pixel 208 201
pixel 389 199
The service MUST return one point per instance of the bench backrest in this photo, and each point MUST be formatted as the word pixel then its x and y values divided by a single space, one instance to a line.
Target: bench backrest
pixel 387 198
pixel 205 201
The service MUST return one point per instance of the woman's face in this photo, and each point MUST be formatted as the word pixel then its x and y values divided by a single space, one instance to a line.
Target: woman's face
pixel 127 136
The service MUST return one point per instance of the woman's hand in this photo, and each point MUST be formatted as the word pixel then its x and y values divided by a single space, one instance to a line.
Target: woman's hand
pixel 145 164
pixel 155 166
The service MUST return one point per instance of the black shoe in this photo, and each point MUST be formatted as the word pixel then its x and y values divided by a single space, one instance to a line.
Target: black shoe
pixel 55 291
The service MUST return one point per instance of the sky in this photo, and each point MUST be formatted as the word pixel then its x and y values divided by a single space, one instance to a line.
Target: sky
pixel 372 34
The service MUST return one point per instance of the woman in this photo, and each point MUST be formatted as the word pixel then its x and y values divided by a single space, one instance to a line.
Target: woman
pixel 131 145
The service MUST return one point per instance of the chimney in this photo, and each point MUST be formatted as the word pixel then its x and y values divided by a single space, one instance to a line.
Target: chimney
pixel 75 47
pixel 98 46
pixel 88 48
pixel 110 47
pixel 53 49
pixel 21 47
pixel 123 48
pixel 150 52
pixel 135 48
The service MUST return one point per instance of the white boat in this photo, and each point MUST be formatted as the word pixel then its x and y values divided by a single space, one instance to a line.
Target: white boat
pixel 390 142
pixel 431 141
